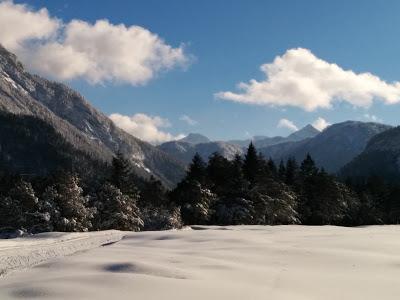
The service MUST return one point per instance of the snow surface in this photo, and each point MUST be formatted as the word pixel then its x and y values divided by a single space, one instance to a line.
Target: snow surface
pixel 243 262
pixel 25 252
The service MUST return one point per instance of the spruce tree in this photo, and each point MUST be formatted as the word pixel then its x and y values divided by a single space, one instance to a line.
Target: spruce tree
pixel 251 164
pixel 272 167
pixel 75 213
pixel 218 169
pixel 153 194
pixel 308 167
pixel 197 170
pixel 282 171
pixel 117 210
pixel 291 171
pixel 123 176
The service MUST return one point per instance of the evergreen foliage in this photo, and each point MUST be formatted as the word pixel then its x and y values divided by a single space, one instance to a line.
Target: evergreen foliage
pixel 249 190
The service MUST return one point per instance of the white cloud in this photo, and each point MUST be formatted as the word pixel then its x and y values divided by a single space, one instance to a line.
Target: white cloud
pixel 372 118
pixel 285 123
pixel 144 127
pixel 188 120
pixel 300 79
pixel 99 52
pixel 19 23
pixel 320 124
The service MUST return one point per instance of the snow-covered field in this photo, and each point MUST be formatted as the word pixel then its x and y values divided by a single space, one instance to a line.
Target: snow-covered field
pixel 243 262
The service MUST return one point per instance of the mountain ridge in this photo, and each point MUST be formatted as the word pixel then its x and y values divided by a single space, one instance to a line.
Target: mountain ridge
pixel 78 121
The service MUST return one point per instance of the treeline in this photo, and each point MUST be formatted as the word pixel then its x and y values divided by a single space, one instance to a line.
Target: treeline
pixel 248 190
pixel 65 202
pixel 254 190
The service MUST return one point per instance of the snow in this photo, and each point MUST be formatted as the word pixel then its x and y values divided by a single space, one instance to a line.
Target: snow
pixel 25 252
pixel 243 262
pixel 13 83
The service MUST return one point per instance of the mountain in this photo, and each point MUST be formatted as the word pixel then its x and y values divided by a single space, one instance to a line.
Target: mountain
pixel 306 132
pixel 184 151
pixel 195 138
pixel 332 148
pixel 262 141
pixel 78 122
pixel 381 157
pixel 30 146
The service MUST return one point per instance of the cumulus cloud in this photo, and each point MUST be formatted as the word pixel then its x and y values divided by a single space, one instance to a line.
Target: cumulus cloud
pixel 320 124
pixel 285 123
pixel 18 24
pixel 300 79
pixel 188 120
pixel 144 127
pixel 99 52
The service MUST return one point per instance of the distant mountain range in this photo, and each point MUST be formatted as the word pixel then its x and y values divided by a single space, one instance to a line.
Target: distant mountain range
pixel 263 141
pixel 184 151
pixel 331 149
pixel 81 126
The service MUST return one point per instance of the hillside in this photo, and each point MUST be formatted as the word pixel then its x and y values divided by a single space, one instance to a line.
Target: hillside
pixel 381 157
pixel 78 122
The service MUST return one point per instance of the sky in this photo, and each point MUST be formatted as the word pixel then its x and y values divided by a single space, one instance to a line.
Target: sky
pixel 226 69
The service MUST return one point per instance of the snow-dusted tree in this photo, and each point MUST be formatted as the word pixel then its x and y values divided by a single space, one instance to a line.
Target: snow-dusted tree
pixel 48 207
pixel 75 213
pixel 20 207
pixel 195 201
pixel 161 218
pixel 116 210
pixel 233 211
pixel 274 203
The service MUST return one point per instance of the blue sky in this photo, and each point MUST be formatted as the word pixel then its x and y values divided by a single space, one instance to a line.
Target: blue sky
pixel 227 42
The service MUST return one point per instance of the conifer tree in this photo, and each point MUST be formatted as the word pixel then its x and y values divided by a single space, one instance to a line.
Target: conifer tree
pixel 153 194
pixel 272 167
pixel 117 210
pixel 308 167
pixel 291 171
pixel 197 170
pixel 282 171
pixel 218 169
pixel 76 215
pixel 123 176
pixel 20 206
pixel 251 164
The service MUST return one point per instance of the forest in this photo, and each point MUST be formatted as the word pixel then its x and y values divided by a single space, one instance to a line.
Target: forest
pixel 246 190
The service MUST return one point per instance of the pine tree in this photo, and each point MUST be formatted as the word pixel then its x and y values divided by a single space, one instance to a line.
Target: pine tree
pixel 273 170
pixel 117 210
pixel 75 213
pixel 282 171
pixel 291 172
pixel 122 175
pixel 237 185
pixel 196 202
pixel 308 167
pixel 153 194
pixel 218 169
pixel 197 170
pixel 20 206
pixel 251 164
